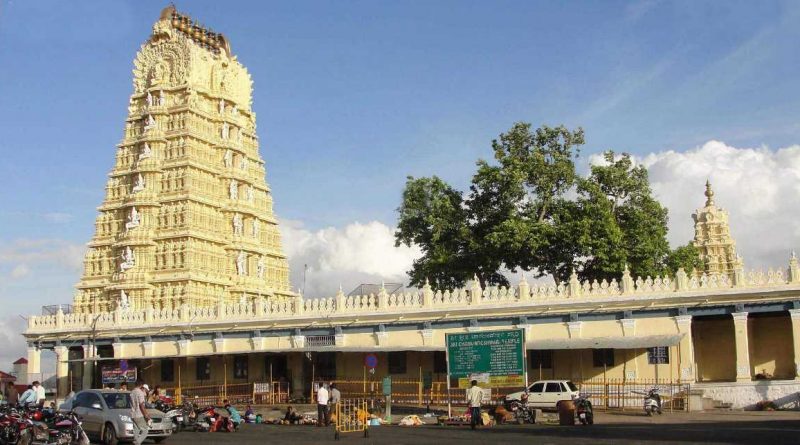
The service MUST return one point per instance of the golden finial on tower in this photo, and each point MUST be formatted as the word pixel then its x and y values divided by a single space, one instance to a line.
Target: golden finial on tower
pixel 709 194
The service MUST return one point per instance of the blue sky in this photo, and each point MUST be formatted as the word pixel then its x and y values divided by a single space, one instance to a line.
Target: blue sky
pixel 353 96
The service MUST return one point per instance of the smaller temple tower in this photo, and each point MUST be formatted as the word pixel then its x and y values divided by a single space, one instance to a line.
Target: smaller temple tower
pixel 712 237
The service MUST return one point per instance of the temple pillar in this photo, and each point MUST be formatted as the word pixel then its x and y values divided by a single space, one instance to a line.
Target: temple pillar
pixel 62 371
pixel 795 314
pixel 88 366
pixel 34 364
pixel 630 366
pixel 742 347
pixel 296 365
pixel 686 373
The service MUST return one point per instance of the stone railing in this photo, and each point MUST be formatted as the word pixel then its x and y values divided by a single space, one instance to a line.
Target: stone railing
pixel 426 299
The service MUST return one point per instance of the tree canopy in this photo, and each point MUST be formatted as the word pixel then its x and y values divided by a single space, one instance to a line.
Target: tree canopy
pixel 532 210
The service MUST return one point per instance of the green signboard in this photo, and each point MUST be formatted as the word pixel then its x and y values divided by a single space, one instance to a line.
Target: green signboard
pixel 387 385
pixel 493 358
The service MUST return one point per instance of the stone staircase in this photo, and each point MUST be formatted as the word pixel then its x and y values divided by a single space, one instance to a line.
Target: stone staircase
pixel 701 402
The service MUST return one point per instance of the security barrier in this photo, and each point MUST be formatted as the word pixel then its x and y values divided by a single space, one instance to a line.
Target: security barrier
pixel 350 416
pixel 235 393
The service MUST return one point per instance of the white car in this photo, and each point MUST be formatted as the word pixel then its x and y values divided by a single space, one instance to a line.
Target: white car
pixel 546 394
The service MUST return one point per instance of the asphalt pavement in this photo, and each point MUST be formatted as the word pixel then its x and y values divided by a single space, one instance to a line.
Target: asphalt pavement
pixel 610 428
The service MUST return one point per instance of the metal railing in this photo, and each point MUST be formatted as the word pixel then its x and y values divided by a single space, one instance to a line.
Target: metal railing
pixel 604 394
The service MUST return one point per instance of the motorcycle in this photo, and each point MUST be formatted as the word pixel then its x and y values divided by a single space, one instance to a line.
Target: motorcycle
pixel 13 428
pixel 583 409
pixel 54 429
pixel 205 419
pixel 174 414
pixel 652 402
pixel 522 413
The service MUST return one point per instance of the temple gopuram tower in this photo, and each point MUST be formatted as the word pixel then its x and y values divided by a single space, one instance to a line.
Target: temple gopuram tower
pixel 712 237
pixel 187 216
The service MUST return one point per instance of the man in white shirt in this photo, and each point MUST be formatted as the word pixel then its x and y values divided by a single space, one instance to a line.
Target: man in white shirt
pixel 139 413
pixel 335 397
pixel 474 397
pixel 40 395
pixel 322 405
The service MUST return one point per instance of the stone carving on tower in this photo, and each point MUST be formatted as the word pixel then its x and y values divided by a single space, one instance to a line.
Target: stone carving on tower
pixel 712 237
pixel 163 235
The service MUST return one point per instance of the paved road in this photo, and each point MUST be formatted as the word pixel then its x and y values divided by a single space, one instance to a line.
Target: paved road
pixel 706 428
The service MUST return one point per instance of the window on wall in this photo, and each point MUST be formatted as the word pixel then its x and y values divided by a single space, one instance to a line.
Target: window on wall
pixel 603 357
pixel 540 359
pixel 397 362
pixel 658 355
pixel 167 370
pixel 240 365
pixel 203 368
pixel 439 362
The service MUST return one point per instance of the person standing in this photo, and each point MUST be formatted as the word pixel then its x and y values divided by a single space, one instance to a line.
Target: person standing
pixel 335 397
pixel 474 397
pixel 40 395
pixel 322 405
pixel 12 396
pixel 139 415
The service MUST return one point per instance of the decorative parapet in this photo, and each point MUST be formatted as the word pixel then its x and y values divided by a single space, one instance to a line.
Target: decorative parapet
pixel 426 300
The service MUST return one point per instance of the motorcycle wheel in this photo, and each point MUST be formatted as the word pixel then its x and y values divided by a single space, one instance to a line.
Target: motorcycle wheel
pixel 649 412
pixel 176 427
pixel 583 421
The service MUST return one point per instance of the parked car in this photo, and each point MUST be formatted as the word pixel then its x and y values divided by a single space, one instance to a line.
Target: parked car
pixel 546 394
pixel 105 415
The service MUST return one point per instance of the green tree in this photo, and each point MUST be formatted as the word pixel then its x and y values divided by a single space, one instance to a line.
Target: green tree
pixel 686 257
pixel 533 211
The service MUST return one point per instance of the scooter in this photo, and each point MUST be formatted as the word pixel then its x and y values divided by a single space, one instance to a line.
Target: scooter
pixel 583 409
pixel 652 402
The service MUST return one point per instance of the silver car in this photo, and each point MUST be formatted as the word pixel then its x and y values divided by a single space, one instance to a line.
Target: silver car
pixel 105 414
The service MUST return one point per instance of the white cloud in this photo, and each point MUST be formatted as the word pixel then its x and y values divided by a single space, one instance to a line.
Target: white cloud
pixel 357 253
pixel 58 217
pixel 20 270
pixel 38 251
pixel 758 186
pixel 13 345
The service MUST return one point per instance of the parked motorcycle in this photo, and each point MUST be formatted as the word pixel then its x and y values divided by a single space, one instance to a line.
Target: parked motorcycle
pixel 584 410
pixel 13 427
pixel 652 402
pixel 190 411
pixel 205 419
pixel 522 412
pixel 174 414
pixel 54 429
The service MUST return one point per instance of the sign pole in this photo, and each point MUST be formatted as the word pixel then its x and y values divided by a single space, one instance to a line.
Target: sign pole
pixel 447 361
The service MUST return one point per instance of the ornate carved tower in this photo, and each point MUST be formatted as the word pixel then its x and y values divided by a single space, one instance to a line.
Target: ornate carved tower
pixel 187 217
pixel 712 237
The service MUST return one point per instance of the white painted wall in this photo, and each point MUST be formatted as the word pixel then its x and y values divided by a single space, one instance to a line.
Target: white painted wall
pixel 745 395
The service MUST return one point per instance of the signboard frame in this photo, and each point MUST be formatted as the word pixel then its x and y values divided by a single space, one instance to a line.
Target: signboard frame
pixel 524 355
pixel 115 375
